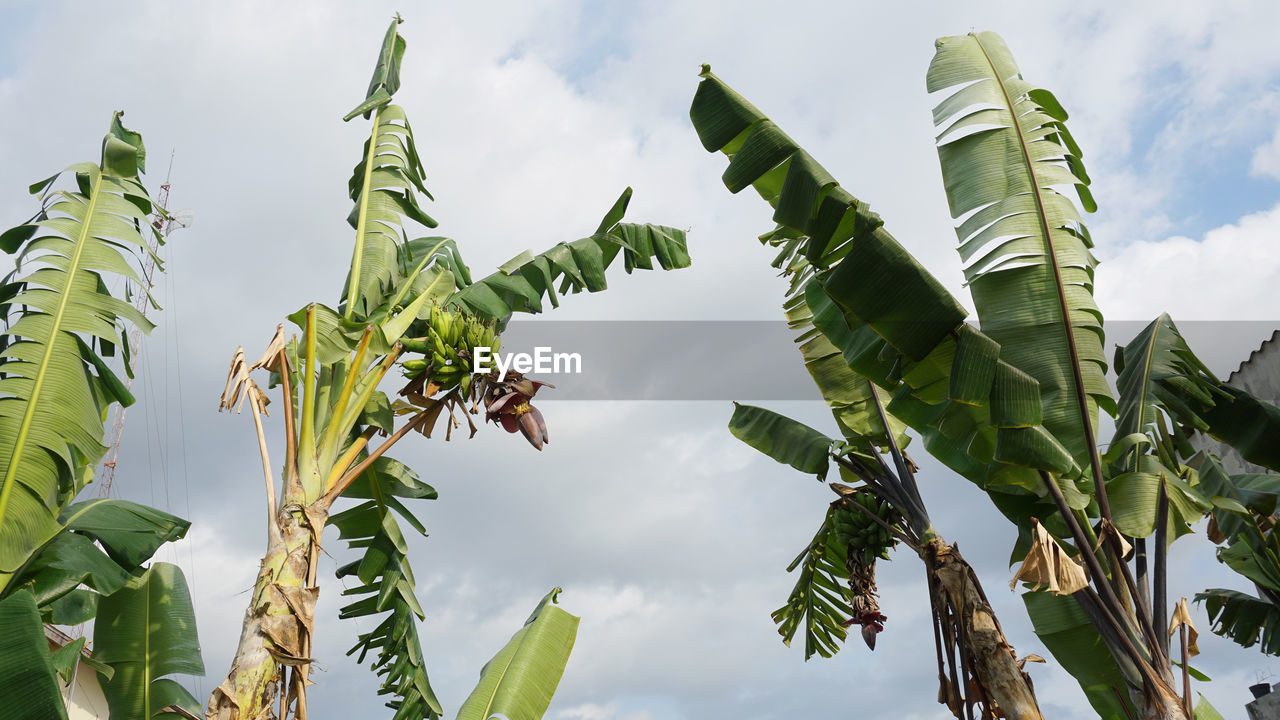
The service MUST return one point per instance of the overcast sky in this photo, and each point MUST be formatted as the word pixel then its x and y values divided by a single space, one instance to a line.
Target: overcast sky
pixel 669 537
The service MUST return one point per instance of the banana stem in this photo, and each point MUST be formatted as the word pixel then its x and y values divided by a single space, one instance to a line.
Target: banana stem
pixel 292 485
pixel 273 529
pixel 306 433
pixel 350 476
pixel 330 436
pixel 341 464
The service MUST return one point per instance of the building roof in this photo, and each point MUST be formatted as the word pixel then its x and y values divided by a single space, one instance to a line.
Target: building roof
pixel 1253 356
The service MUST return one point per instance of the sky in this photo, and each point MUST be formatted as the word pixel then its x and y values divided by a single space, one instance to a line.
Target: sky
pixel 669 536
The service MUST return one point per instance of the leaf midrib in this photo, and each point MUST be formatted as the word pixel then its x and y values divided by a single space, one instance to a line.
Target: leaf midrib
pixel 362 220
pixel 146 654
pixel 1043 217
pixel 488 706
pixel 28 416
pixel 1146 378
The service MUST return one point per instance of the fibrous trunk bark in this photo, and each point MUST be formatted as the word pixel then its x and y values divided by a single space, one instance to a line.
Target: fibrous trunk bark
pixel 1164 703
pixel 994 676
pixel 276 634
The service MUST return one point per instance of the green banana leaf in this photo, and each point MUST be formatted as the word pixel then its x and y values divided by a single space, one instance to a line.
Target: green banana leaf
pixel 126 534
pixel 28 685
pixel 1246 619
pixel 1204 711
pixel 520 285
pixel 820 598
pixel 895 326
pixel 57 386
pixel 386 73
pixel 67 562
pixel 1246 423
pixel 849 395
pixel 520 680
pixel 382 186
pixel 1004 148
pixel 387 584
pixel 1135 496
pixel 129 532
pixel 1069 635
pixel 144 632
pixel 788 441
pixel 1157 371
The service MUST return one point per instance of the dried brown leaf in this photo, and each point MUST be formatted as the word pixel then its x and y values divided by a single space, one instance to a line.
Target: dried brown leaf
pixel 1049 565
pixel 241 387
pixel 274 355
pixel 1104 529
pixel 1214 533
pixel 1182 617
pixel 1029 658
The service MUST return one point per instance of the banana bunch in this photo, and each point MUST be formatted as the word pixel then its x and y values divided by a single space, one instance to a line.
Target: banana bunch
pixel 448 347
pixel 863 536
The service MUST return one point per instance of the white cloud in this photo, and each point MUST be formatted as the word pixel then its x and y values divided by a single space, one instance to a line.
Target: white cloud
pixel 1228 274
pixel 593 711
pixel 1266 159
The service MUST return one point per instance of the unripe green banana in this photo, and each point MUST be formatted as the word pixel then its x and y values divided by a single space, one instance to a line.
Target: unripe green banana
pixel 415 345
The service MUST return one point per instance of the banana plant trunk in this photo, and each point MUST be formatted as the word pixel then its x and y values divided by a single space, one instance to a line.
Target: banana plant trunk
pixel 965 625
pixel 276 634
pixel 1166 703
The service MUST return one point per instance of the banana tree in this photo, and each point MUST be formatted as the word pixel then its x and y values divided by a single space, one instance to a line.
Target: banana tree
pixel 60 559
pixel 410 303
pixel 1011 406
pixel 977 667
pixel 976 664
pixel 1244 505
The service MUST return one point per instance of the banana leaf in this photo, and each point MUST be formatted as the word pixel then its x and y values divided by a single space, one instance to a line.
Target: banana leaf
pixel 820 599
pixel 144 632
pixel 382 186
pixel 1159 372
pixel 521 679
pixel 1068 633
pixel 1247 423
pixel 788 441
pixel 28 685
pixel 521 285
pixel 1005 149
pixel 55 384
pixel 1247 619
pixel 387 584
pixel 896 326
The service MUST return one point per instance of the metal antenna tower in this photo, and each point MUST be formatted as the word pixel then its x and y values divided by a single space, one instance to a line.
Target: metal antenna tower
pixel 164 223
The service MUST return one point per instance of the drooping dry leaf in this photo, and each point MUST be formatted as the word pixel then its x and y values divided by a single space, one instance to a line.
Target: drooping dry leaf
pixel 1049 565
pixel 1105 528
pixel 274 356
pixel 1182 616
pixel 1029 658
pixel 1214 533
pixel 842 490
pixel 432 415
pixel 179 710
pixel 241 387
pixel 237 374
